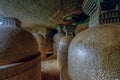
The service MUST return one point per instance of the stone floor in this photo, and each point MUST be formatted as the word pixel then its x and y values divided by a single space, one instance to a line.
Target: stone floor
pixel 49 70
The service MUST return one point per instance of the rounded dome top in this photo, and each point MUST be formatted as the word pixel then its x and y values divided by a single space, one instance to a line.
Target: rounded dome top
pixel 16 44
pixel 94 54
pixel 64 42
pixel 57 37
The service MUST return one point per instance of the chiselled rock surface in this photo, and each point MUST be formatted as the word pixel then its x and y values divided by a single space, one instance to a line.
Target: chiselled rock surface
pixel 32 12
pixel 16 44
pixel 94 54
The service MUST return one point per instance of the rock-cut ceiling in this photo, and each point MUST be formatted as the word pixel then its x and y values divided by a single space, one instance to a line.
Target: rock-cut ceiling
pixel 38 12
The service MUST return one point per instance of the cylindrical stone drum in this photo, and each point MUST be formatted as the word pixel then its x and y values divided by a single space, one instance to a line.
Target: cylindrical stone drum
pixel 94 54
pixel 27 70
pixel 19 55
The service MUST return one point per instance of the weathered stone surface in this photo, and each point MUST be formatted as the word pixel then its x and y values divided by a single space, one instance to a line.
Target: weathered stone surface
pixel 94 54
pixel 16 44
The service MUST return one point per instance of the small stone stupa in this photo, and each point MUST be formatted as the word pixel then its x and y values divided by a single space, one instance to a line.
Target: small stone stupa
pixel 19 55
